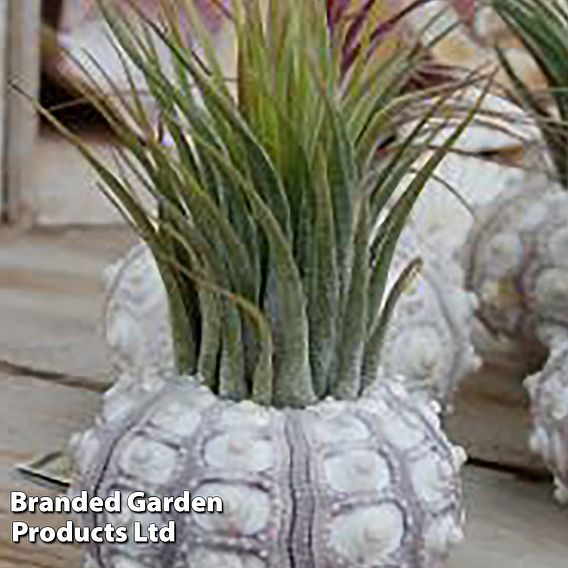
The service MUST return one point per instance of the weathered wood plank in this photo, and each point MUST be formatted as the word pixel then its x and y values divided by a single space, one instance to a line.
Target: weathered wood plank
pixel 22 62
pixel 492 420
pixel 73 198
pixel 51 292
pixel 3 93
pixel 36 417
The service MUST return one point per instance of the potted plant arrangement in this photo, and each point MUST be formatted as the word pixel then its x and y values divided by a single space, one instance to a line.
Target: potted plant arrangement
pixel 273 236
pixel 516 258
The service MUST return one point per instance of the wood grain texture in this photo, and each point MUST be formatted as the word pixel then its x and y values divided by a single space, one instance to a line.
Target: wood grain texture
pixel 51 293
pixel 36 417
pixel 51 298
pixel 22 69
pixel 3 94
pixel 491 419
pixel 72 198
pixel 511 524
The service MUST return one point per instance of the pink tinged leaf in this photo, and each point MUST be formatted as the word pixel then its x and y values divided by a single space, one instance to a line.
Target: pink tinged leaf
pixel 213 12
pixel 466 10
pixel 359 21
pixel 336 10
pixel 352 47
pixel 79 11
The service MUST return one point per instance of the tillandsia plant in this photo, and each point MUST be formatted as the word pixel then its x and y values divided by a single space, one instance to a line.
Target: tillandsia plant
pixel 241 232
pixel 270 230
pixel 434 322
pixel 541 28
pixel 519 245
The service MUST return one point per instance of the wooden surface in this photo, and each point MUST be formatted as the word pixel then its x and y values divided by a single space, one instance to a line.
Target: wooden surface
pixel 74 197
pixel 51 294
pixel 511 524
pixel 3 93
pixel 21 56
pixel 492 420
pixel 52 364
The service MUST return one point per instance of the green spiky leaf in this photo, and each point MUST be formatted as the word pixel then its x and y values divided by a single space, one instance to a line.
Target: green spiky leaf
pixel 265 200
pixel 542 28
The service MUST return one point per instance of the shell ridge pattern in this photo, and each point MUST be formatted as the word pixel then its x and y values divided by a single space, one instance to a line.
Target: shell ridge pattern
pixel 361 484
pixel 115 476
pixel 548 390
pixel 107 443
pixel 266 544
pixel 303 506
pixel 404 493
pixel 188 478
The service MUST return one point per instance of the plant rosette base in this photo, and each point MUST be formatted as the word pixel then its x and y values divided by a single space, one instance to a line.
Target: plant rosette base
pixel 365 483
pixel 429 340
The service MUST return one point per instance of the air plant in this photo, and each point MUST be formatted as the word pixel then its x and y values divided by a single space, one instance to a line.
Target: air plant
pixel 273 227
pixel 267 202
pixel 542 29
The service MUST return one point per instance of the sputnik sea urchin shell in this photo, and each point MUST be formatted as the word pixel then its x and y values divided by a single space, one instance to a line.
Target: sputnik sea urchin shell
pixel 369 483
pixel 549 395
pixel 366 483
pixel 517 262
pixel 429 341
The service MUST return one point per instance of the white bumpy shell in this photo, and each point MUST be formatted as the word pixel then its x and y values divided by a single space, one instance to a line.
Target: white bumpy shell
pixel 549 395
pixel 371 483
pixel 429 339
pixel 136 319
pixel 517 264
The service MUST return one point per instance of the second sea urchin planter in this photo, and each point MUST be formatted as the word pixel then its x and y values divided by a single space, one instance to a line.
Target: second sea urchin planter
pixel 517 264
